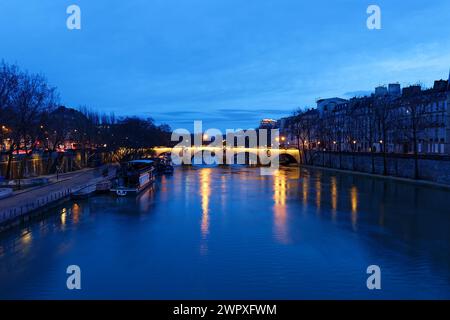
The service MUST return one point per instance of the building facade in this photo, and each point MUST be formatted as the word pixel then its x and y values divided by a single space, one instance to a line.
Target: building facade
pixel 411 120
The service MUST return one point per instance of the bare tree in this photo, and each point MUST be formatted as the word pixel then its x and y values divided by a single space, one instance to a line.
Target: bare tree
pixel 418 117
pixel 31 102
pixel 9 82
pixel 303 125
pixel 383 116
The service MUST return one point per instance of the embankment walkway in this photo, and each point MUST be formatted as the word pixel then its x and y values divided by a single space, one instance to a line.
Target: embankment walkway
pixel 25 201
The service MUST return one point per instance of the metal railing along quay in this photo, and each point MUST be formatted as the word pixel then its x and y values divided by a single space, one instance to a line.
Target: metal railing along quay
pixel 21 210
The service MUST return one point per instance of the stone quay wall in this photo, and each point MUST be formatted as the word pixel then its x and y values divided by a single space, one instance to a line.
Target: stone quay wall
pixel 433 168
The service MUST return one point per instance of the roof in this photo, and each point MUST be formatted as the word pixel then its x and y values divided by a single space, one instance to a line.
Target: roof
pixel 335 99
pixel 142 161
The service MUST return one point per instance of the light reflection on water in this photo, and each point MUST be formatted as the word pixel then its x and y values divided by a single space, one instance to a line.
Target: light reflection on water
pixel 205 192
pixel 279 206
pixel 354 205
pixel 334 196
pixel 227 232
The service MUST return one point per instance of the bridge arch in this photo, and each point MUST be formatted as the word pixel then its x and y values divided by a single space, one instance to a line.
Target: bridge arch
pixel 287 159
pixel 162 150
pixel 164 154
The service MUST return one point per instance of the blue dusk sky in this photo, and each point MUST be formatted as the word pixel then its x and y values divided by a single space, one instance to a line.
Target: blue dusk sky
pixel 226 62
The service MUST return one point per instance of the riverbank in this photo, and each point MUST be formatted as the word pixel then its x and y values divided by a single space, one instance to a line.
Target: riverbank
pixel 434 169
pixel 380 176
pixel 23 204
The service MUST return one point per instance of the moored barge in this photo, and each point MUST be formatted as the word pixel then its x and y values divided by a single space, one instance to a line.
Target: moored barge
pixel 133 177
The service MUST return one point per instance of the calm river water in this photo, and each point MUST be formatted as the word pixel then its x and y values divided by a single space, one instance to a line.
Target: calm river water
pixel 218 233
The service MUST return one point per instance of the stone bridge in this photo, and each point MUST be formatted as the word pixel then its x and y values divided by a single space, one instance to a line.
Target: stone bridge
pixel 254 154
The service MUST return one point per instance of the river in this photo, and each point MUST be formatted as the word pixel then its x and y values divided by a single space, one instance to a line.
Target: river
pixel 230 233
